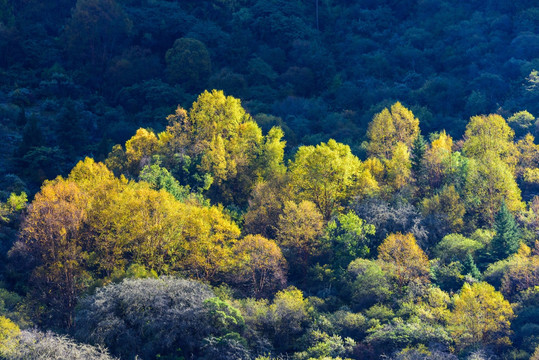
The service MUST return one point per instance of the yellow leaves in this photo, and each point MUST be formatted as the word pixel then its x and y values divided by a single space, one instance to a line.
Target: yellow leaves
pixel 381 134
pixel 489 181
pixel 488 136
pixel 437 159
pixel 447 203
pixel 406 124
pixel 139 150
pixel 94 221
pixel 327 174
pixel 214 113
pixel 403 252
pixel 9 333
pixel 389 128
pixel 209 236
pixel 398 167
pixel 480 315
pixel 391 135
pixel 300 228
pixel 259 262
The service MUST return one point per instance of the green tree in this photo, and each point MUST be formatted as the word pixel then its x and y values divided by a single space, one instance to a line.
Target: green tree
pixel 160 178
pixel 522 123
pixel 456 247
pixel 290 316
pixel 419 147
pixel 95 30
pixel 15 204
pixel 507 239
pixel 348 238
pixel 370 283
pixel 188 63
pixel 488 182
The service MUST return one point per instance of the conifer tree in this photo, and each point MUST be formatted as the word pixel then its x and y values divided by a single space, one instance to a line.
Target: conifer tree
pixel 419 147
pixel 507 239
pixel 470 268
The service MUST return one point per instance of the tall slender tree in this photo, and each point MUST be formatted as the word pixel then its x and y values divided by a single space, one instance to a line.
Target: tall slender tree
pixel 507 239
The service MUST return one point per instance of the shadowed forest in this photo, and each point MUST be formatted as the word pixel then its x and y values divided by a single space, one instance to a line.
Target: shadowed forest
pixel 269 179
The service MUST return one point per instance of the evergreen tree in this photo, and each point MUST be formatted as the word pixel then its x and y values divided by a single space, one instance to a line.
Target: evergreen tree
pixel 470 268
pixel 31 136
pixel 21 118
pixel 507 239
pixel 70 133
pixel 419 147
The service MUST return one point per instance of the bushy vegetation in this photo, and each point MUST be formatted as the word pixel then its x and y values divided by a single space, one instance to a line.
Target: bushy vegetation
pixel 362 186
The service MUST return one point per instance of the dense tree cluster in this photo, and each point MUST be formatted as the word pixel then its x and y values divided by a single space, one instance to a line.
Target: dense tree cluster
pixel 363 186
pixel 201 241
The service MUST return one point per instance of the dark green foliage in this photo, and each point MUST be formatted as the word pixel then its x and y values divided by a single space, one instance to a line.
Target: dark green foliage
pixel 71 137
pixel 448 277
pixel 507 239
pixel 161 178
pixel 188 63
pixel 470 268
pixel 32 135
pixel 419 147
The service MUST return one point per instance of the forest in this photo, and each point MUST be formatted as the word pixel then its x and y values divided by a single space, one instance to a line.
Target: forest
pixel 269 180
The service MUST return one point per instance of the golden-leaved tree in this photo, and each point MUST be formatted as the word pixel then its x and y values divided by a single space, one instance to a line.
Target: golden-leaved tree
pixel 329 174
pixel 480 316
pixel 52 235
pixel 391 135
pixel 408 259
pixel 216 147
pixel 259 265
pixel 91 226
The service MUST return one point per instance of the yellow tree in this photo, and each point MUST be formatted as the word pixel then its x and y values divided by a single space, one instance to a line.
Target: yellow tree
pixel 227 143
pixel 259 264
pixel 480 316
pixel 328 174
pixel 447 204
pixel 265 205
pixel 437 159
pixel 390 127
pixel 488 182
pixel 488 136
pixel 398 168
pixel 136 224
pixel 9 333
pixel 409 261
pixel 299 231
pixel 138 153
pixel 209 236
pixel 52 234
pixel 290 314
pixel 528 163
pixel 382 135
